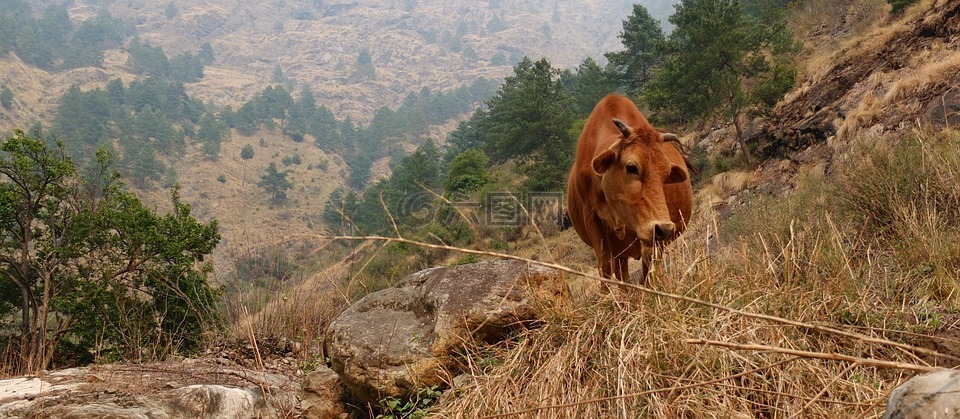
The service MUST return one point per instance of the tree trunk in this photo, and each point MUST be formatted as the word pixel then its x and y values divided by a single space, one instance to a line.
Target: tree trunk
pixel 743 143
pixel 44 349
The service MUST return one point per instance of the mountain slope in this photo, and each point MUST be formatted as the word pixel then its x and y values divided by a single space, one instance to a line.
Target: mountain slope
pixel 887 80
pixel 413 44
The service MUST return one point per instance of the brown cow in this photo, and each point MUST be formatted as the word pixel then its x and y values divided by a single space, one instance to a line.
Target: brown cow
pixel 629 189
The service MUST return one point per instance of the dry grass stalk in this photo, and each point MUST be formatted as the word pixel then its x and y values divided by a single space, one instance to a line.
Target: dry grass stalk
pixel 819 355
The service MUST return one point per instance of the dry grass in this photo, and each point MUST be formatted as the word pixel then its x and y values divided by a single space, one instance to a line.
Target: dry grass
pixel 721 187
pixel 883 97
pixel 799 257
pixel 837 28
pixel 628 355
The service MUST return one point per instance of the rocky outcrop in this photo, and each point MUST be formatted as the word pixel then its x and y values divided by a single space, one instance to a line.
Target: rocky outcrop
pixel 932 395
pixel 397 340
pixel 880 82
pixel 216 389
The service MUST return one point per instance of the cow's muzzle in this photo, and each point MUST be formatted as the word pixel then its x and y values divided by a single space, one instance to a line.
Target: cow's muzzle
pixel 663 231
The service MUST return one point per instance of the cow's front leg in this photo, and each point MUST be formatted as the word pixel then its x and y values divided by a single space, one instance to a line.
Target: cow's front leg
pixel 621 267
pixel 645 260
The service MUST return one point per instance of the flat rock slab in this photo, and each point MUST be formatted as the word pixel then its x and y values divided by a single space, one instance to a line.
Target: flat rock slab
pixel 210 388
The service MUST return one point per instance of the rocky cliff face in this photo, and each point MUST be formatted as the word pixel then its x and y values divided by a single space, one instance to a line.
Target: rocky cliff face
pixel 894 78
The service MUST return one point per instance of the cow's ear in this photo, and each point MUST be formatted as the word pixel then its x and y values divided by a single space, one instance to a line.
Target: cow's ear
pixel 677 175
pixel 603 161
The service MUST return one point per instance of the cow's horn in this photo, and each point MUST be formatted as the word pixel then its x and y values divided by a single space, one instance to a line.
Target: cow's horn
pixel 624 129
pixel 669 136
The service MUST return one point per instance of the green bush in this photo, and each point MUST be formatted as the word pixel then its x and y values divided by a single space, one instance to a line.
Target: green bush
pixel 900 5
pixel 413 408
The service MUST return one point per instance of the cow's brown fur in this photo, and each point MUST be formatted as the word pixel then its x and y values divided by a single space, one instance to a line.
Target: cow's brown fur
pixel 624 191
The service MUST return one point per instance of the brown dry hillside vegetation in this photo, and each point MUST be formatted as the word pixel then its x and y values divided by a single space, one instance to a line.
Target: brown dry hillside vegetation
pixel 413 44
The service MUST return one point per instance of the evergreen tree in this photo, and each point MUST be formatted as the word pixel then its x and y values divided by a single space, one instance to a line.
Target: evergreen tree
pixel 170 11
pixel 246 152
pixel 302 110
pixel 139 162
pixel 116 93
pixel 721 62
pixel 275 103
pixel 365 69
pixel 206 53
pixel 340 210
pixel 323 127
pixel 359 166
pixel 469 134
pixel 210 134
pixel 275 183
pixel 147 59
pixel 588 85
pixel 530 112
pixel 186 68
pixel 246 121
pixel 468 172
pixel 278 76
pixel 83 119
pixel 6 98
pixel 643 39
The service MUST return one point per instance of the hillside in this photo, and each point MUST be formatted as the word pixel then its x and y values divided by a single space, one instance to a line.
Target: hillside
pixel 413 44
pixel 810 282
pixel 866 75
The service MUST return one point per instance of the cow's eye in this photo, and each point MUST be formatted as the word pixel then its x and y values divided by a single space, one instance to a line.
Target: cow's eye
pixel 633 169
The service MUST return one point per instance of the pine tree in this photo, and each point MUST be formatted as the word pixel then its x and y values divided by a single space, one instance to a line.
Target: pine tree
pixel 529 119
pixel 723 62
pixel 588 85
pixel 468 172
pixel 643 39
pixel 275 183
pixel 6 98
pixel 246 152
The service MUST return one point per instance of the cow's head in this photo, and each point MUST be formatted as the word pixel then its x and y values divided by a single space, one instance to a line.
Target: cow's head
pixel 633 172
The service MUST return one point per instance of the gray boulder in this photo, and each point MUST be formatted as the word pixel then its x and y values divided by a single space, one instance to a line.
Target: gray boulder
pixel 394 341
pixel 321 395
pixel 932 395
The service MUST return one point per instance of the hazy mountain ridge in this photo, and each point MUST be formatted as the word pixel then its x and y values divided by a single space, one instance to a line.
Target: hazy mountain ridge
pixel 413 44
